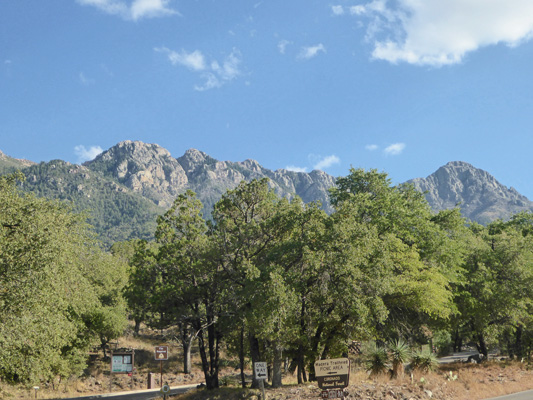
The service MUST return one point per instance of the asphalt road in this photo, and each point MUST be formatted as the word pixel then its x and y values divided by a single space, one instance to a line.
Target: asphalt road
pixel 137 394
pixel 527 395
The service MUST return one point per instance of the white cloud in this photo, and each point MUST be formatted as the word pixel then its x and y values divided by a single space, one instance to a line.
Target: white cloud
pixel 214 73
pixel 86 154
pixel 282 46
pixel 371 147
pixel 230 67
pixel 7 62
pixel 312 51
pixel 194 60
pixel 211 82
pixel 150 9
pixel 295 169
pixel 133 10
pixel 436 32
pixel 394 149
pixel 357 10
pixel 327 162
pixel 85 80
pixel 337 10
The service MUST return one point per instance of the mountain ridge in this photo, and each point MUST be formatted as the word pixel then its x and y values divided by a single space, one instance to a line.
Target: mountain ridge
pixel 129 184
pixel 479 195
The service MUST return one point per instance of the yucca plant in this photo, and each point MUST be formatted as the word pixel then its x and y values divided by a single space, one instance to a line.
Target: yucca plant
pixel 377 360
pixel 424 361
pixel 399 355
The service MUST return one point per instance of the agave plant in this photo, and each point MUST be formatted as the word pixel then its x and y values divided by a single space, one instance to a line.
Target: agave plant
pixel 400 355
pixel 377 360
pixel 424 361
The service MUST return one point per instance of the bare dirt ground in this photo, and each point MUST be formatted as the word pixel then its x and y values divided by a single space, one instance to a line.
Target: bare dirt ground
pixel 460 381
pixel 472 382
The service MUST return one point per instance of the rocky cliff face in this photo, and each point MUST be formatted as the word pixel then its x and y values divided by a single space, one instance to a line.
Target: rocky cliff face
pixel 150 170
pixel 128 185
pixel 147 169
pixel 479 195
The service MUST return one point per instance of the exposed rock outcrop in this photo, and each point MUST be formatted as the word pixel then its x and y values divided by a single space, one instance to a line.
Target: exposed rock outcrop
pixel 479 195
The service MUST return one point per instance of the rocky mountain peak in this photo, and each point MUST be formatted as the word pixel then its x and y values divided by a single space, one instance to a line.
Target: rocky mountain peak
pixel 145 168
pixel 192 159
pixel 252 165
pixel 479 195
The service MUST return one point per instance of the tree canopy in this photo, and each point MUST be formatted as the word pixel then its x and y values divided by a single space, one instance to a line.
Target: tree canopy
pixel 59 292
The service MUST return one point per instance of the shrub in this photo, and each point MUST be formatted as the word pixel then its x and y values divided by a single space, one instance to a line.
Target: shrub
pixel 424 361
pixel 399 355
pixel 377 360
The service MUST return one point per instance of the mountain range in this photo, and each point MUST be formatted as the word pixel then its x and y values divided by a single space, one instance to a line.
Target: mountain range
pixel 127 186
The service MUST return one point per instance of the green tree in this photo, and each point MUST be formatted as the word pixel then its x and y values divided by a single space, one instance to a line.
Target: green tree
pixel 497 290
pixel 50 287
pixel 413 257
pixel 244 233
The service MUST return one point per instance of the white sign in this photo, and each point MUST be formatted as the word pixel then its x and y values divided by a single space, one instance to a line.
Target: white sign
pixel 121 363
pixel 335 366
pixel 260 369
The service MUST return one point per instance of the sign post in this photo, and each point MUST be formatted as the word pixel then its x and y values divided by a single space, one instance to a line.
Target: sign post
pixel 122 362
pixel 333 376
pixel 261 373
pixel 165 389
pixel 161 354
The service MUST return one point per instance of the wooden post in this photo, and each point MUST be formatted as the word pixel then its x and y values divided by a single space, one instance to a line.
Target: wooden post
pixel 161 374
pixel 262 386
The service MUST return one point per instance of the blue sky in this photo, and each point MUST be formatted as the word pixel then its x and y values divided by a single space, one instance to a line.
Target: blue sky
pixel 404 86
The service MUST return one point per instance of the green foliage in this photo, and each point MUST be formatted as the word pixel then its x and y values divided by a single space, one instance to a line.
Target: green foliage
pixel 52 281
pixel 399 353
pixel 424 361
pixel 115 212
pixel 376 359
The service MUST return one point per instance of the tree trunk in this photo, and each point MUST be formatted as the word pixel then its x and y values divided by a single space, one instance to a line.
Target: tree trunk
pixel 276 374
pixel 187 345
pixel 137 327
pixel 482 346
pixel 255 355
pixel 241 357
pixel 519 347
pixel 457 342
pixel 302 377
pixel 210 365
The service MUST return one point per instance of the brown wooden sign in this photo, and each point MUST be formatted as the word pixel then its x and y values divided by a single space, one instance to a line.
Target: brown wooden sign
pixel 161 353
pixel 333 374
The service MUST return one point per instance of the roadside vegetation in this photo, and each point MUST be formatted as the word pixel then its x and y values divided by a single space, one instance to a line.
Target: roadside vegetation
pixel 265 279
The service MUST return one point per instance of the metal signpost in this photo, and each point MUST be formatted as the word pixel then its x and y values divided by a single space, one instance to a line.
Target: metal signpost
pixel 261 373
pixel 333 376
pixel 161 354
pixel 165 389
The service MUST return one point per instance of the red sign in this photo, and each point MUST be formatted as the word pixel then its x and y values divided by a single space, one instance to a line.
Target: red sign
pixel 161 353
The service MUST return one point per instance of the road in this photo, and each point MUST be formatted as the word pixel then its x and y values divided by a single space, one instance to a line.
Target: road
pixel 463 356
pixel 136 394
pixel 527 395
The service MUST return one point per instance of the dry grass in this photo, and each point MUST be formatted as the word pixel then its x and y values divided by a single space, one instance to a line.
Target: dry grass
pixel 472 382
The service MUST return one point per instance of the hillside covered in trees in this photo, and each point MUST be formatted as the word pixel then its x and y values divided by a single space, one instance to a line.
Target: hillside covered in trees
pixel 124 188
